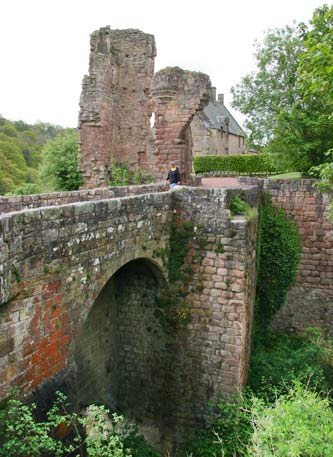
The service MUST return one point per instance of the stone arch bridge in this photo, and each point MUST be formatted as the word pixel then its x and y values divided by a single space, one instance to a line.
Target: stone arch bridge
pixel 81 274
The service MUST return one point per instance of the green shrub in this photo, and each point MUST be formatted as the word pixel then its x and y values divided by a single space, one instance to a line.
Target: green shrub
pixel 27 189
pixel 238 206
pixel 21 435
pixel 122 176
pixel 246 164
pixel 299 424
pixel 60 162
pixel 279 252
pixel 279 359
pixel 104 439
pixel 228 434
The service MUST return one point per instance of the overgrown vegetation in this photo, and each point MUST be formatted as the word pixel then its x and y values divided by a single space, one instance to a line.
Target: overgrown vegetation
pixel 284 369
pixel 121 175
pixel 228 433
pixel 172 309
pixel 279 252
pixel 238 206
pixel 245 164
pixel 96 433
pixel 278 359
pixel 298 424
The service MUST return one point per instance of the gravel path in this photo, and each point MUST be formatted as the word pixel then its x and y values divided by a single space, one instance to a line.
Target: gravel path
pixel 219 182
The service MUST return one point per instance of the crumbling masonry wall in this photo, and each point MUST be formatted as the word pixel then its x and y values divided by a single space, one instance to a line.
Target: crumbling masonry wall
pixel 115 104
pixel 177 96
pixel 119 98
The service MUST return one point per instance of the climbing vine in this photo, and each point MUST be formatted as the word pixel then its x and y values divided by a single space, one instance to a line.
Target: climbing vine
pixel 187 242
pixel 279 253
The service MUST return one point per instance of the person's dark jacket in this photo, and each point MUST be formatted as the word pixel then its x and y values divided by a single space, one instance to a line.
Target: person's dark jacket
pixel 174 176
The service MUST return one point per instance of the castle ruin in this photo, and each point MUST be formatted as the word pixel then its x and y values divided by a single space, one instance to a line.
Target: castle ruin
pixel 121 96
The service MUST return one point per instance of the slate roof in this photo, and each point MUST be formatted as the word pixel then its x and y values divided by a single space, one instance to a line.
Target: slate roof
pixel 213 115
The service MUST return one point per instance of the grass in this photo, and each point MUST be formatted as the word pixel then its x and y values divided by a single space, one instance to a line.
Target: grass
pixel 292 175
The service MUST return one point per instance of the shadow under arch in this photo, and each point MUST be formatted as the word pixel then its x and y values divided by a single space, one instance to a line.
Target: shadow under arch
pixel 120 355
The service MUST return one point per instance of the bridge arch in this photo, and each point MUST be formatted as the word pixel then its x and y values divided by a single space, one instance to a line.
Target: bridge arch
pixel 121 347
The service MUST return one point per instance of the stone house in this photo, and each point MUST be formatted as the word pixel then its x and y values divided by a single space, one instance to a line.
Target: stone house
pixel 215 131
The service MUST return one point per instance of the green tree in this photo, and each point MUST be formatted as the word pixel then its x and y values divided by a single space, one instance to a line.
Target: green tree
pixel 20 152
pixel 304 133
pixel 60 166
pixel 273 86
pixel 316 63
pixel 289 98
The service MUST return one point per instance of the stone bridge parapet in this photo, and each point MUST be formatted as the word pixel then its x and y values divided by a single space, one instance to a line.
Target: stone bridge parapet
pixel 23 202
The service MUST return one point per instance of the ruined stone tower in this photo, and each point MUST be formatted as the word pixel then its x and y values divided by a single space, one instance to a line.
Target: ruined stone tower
pixel 115 105
pixel 177 96
pixel 118 99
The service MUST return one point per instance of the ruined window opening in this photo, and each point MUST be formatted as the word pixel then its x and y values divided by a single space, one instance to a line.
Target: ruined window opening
pixel 152 120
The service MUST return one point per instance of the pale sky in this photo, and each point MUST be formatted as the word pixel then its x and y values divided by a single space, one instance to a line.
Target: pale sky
pixel 44 44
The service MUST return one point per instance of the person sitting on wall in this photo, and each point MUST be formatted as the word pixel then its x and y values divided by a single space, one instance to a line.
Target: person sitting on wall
pixel 173 175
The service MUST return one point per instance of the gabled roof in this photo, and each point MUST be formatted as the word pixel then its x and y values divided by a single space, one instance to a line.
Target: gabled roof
pixel 213 117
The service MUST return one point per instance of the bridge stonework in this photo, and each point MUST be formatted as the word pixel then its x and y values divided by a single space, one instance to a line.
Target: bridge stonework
pixel 79 291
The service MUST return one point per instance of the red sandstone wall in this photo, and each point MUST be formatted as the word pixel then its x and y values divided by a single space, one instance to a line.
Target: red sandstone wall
pixel 177 96
pixel 310 300
pixel 115 104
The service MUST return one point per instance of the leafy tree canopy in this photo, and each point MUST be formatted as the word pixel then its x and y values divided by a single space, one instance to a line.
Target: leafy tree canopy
pixel 263 93
pixel 288 99
pixel 20 154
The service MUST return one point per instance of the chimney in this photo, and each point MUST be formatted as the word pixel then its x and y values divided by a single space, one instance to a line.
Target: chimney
pixel 221 99
pixel 213 94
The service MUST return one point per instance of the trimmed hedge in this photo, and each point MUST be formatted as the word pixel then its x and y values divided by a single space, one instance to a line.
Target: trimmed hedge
pixel 247 164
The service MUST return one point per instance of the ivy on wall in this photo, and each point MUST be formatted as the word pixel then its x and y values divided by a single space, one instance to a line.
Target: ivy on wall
pixel 279 253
